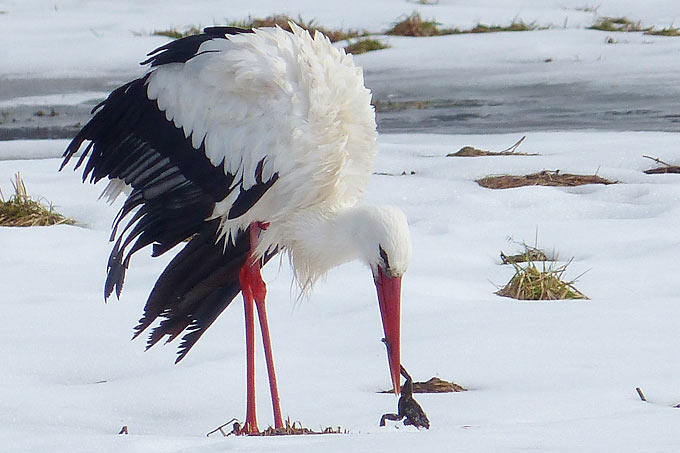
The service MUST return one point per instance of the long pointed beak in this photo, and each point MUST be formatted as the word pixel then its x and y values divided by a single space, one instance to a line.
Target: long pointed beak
pixel 389 298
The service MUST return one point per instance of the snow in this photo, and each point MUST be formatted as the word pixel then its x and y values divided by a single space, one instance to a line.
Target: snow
pixel 542 376
pixel 75 37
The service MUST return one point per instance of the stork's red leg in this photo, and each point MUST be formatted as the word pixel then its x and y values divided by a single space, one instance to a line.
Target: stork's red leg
pixel 253 287
pixel 250 426
pixel 269 357
pixel 259 291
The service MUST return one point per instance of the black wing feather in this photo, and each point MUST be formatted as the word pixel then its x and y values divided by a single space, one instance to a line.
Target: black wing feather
pixel 184 49
pixel 174 190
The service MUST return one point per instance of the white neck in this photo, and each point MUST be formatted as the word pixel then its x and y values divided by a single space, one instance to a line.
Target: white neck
pixel 318 241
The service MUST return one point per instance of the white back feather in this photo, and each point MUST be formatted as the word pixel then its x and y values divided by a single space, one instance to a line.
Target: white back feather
pixel 295 101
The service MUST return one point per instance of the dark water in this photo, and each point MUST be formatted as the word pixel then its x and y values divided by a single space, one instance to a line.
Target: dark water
pixel 438 104
pixel 49 121
pixel 427 102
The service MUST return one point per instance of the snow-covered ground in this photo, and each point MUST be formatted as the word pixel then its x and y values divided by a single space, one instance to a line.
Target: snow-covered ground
pixel 547 376
pixel 543 376
pixel 70 37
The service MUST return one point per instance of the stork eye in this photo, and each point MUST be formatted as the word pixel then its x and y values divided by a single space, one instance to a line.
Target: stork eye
pixel 383 256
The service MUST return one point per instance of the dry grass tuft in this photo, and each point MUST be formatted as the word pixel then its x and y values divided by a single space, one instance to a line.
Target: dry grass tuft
pixel 529 254
pixel 365 45
pixel 470 151
pixel 296 428
pixel 23 211
pixel 434 385
pixel 665 167
pixel 622 24
pixel 531 283
pixel 414 25
pixel 291 429
pixel 175 33
pixel 280 20
pixel 516 25
pixel 542 178
pixel 588 9
pixel 663 170
pixel 283 20
pixel 670 31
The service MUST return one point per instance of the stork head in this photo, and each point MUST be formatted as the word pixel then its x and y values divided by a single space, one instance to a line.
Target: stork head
pixel 386 247
pixel 376 235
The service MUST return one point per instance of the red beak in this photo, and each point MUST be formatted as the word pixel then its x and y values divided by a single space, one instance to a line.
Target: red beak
pixel 389 297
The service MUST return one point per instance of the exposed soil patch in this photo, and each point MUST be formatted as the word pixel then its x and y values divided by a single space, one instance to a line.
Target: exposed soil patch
pixel 542 178
pixel 434 385
pixel 529 254
pixel 471 151
pixel 665 167
pixel 291 429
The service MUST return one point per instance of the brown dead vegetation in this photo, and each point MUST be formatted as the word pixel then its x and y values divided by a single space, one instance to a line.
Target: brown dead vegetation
pixel 434 385
pixel 531 283
pixel 291 429
pixel 471 151
pixel 529 254
pixel 21 210
pixel 283 21
pixel 414 25
pixel 542 178
pixel 665 168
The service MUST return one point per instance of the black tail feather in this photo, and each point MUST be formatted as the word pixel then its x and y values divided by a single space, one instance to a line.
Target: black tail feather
pixel 197 285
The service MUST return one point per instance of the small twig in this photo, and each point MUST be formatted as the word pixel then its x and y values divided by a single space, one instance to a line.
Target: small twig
pixel 514 147
pixel 219 428
pixel 657 160
pixel 642 395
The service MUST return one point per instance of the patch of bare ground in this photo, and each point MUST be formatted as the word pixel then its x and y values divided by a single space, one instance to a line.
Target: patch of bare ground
pixel 434 385
pixel 529 254
pixel 21 210
pixel 471 151
pixel 531 283
pixel 283 21
pixel 365 45
pixel 291 429
pixel 665 167
pixel 542 178
pixel 414 25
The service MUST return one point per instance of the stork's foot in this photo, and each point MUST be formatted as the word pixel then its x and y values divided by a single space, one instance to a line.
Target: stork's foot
pixel 248 429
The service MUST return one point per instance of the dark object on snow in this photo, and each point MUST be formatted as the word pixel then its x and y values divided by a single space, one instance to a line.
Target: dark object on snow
pixel 434 385
pixel 408 407
pixel 667 168
pixel 291 428
pixel 542 178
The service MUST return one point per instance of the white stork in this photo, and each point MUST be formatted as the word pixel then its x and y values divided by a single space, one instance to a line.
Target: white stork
pixel 250 142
